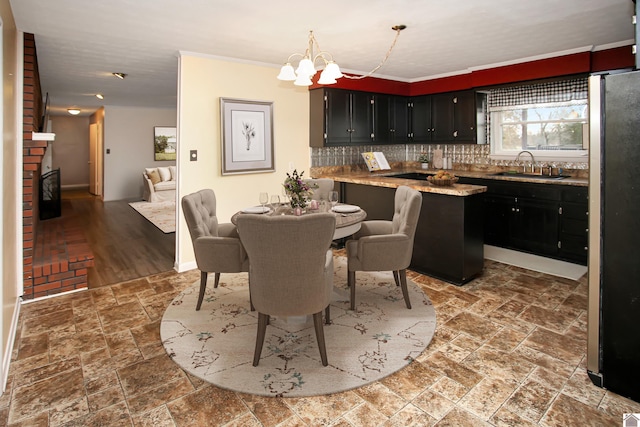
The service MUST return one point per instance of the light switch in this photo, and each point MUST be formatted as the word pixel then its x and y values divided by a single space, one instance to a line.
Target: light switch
pixel 108 150
pixel 193 155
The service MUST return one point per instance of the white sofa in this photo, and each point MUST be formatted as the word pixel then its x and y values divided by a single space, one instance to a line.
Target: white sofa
pixel 159 184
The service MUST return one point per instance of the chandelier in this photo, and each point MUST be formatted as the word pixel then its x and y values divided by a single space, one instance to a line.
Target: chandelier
pixel 307 65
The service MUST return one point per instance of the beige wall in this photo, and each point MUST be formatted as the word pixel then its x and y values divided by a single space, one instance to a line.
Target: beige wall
pixel 128 135
pixel 11 173
pixel 70 150
pixel 202 82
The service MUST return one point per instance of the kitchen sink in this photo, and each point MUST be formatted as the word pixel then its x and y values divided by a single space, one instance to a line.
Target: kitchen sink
pixel 530 175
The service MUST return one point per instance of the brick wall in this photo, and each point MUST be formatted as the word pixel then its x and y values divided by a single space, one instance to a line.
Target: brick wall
pixel 57 260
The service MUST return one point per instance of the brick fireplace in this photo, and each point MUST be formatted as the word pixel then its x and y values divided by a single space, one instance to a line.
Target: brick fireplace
pixel 56 256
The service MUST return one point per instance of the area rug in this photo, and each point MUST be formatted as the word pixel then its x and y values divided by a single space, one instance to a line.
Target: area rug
pixel 216 344
pixel 161 214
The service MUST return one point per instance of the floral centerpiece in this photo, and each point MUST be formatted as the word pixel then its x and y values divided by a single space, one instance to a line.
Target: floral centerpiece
pixel 297 189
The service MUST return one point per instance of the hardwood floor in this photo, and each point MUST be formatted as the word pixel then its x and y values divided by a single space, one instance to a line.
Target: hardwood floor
pixel 126 246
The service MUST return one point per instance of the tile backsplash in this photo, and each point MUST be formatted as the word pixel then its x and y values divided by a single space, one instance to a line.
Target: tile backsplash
pixel 461 154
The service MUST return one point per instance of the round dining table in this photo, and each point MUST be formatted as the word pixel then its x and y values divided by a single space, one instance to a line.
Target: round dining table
pixel 347 223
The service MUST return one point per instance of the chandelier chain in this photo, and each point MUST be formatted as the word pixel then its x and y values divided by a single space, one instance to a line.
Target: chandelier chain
pixel 381 62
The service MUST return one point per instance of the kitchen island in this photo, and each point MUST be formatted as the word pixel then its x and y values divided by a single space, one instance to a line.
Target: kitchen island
pixel 449 237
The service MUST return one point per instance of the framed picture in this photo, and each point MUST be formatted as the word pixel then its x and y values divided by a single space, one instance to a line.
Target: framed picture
pixel 247 136
pixel 164 143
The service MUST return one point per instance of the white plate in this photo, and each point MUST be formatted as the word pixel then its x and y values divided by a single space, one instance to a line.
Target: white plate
pixel 256 210
pixel 346 208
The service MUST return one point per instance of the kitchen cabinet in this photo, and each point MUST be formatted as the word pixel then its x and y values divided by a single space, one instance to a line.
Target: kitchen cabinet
pixel 449 237
pixel 542 219
pixel 421 129
pixel 391 119
pixel 454 117
pixel 340 117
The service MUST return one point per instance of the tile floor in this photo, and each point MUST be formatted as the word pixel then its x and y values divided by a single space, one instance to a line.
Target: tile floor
pixel 509 350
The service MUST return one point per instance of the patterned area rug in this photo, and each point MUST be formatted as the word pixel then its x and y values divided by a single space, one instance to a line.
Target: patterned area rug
pixel 162 214
pixel 216 344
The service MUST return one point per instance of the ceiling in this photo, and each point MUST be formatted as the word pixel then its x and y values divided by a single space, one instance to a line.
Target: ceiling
pixel 80 43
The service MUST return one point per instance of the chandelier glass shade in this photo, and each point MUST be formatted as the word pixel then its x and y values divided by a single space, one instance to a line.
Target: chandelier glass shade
pixel 306 69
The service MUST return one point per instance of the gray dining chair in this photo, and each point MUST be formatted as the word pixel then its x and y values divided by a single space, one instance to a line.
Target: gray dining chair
pixel 291 269
pixel 320 188
pixel 217 247
pixel 386 245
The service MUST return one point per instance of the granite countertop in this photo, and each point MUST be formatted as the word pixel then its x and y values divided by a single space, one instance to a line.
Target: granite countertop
pixel 386 179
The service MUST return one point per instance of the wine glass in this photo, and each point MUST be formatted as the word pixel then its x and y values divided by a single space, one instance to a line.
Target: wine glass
pixel 275 202
pixel 333 198
pixel 264 199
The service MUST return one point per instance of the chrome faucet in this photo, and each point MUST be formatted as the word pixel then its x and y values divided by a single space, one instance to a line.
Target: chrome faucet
pixel 533 161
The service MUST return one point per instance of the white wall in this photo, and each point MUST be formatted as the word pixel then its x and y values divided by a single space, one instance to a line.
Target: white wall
pixel 202 81
pixel 70 150
pixel 11 176
pixel 128 136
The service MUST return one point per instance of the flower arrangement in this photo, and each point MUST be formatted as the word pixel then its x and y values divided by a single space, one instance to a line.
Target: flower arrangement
pixel 423 158
pixel 297 189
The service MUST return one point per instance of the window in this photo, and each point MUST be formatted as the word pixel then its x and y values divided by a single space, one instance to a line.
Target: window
pixel 550 120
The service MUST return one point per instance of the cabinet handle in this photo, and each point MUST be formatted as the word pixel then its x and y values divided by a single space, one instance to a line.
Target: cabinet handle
pixel 586 248
pixel 455 100
pixel 455 134
pixel 513 209
pixel 560 210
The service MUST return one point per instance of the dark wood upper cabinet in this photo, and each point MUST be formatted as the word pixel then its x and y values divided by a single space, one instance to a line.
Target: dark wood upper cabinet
pixel 340 117
pixel 346 117
pixel 421 129
pixel 391 119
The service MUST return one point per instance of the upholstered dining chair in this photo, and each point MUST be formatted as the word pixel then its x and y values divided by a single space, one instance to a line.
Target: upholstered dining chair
pixel 386 245
pixel 320 187
pixel 217 247
pixel 290 269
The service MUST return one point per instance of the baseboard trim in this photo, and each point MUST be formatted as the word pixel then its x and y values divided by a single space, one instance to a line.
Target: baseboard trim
pixel 186 266
pixel 6 358
pixel 75 187
pixel 535 263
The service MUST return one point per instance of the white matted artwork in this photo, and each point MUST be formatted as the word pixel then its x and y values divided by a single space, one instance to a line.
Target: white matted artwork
pixel 247 136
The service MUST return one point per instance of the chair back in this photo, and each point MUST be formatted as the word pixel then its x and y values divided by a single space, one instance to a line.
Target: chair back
pixel 200 213
pixel 290 262
pixel 320 187
pixel 407 206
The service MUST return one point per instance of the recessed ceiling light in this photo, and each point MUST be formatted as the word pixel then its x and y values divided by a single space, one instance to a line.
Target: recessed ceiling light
pixel 99 96
pixel 73 111
pixel 120 75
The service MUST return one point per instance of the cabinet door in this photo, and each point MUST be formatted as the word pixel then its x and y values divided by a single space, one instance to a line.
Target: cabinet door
pixel 464 117
pixel 338 119
pixel 421 129
pixel 534 226
pixel 400 116
pixel 497 213
pixel 442 117
pixel 383 120
pixel 361 118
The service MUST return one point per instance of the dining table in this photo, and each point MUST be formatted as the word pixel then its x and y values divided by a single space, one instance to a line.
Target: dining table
pixel 348 217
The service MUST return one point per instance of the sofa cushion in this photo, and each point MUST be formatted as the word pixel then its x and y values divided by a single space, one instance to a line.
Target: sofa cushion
pixel 174 173
pixel 164 185
pixel 165 174
pixel 154 176
pixel 148 170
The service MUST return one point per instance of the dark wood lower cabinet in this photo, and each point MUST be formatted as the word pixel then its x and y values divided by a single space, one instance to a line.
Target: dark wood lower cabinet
pixel 449 238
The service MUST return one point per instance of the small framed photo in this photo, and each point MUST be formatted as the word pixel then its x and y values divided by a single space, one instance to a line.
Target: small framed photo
pixel 247 136
pixel 164 143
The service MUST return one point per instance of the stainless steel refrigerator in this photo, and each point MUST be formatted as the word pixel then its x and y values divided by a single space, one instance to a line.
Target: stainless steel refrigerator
pixel 613 336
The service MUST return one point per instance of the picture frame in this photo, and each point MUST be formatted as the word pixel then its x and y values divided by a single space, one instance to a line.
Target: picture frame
pixel 247 136
pixel 164 143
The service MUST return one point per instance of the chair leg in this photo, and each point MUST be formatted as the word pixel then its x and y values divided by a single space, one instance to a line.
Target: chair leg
pixel 263 320
pixel 327 315
pixel 403 284
pixel 351 282
pixel 317 322
pixel 215 284
pixel 203 286
pixel 396 277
